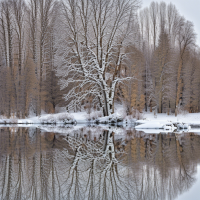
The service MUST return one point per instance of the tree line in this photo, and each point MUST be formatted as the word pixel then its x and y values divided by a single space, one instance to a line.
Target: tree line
pixel 83 54
pixel 27 77
pixel 165 61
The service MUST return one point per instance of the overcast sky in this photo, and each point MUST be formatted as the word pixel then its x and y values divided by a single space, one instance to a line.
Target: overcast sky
pixel 190 9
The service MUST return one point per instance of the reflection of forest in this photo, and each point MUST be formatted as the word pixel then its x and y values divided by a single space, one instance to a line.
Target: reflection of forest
pixel 84 165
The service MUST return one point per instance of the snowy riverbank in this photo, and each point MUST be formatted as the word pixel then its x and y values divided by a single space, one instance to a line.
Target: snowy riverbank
pixel 147 121
pixel 169 122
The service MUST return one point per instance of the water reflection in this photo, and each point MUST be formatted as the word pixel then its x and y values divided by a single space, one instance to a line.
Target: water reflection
pixel 95 163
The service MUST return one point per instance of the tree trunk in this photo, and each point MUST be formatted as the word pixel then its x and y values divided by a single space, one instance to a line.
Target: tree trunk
pixel 179 85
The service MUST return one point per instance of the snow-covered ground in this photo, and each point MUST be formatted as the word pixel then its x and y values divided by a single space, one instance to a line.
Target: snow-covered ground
pixel 192 118
pixel 164 121
pixel 148 121
pixel 67 118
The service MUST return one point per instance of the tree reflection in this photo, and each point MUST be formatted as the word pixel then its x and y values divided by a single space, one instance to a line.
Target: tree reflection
pixel 95 163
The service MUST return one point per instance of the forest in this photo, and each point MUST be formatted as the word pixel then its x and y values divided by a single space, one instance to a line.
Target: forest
pixel 95 54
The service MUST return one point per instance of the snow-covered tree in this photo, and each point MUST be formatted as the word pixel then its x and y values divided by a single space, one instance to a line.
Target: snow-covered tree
pixel 91 40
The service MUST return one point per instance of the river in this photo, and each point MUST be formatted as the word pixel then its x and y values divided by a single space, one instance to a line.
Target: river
pixel 103 163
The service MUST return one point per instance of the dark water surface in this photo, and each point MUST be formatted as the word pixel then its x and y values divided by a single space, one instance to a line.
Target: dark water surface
pixel 88 163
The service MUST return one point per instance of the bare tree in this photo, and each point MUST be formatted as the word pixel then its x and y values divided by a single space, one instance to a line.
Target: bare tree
pixel 19 15
pixel 186 39
pixel 154 20
pixel 91 52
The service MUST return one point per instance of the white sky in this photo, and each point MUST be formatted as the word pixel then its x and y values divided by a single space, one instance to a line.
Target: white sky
pixel 190 9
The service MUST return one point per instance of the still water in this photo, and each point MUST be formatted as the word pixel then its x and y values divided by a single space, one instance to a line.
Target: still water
pixel 89 163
